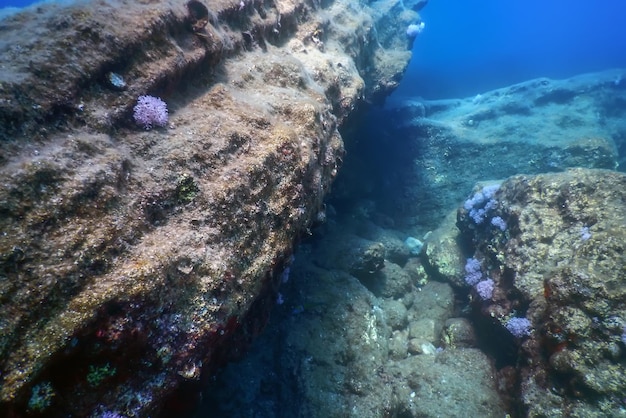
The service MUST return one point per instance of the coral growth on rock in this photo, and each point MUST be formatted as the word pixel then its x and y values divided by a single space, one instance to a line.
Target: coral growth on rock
pixel 561 294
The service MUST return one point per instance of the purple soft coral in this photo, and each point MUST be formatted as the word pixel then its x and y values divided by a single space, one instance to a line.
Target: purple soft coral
pixel 150 111
pixel 485 288
pixel 481 203
pixel 472 268
pixel 519 327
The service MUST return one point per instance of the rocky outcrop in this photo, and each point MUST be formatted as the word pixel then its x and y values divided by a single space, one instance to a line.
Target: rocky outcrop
pixel 555 317
pixel 133 261
pixel 437 150
pixel 356 346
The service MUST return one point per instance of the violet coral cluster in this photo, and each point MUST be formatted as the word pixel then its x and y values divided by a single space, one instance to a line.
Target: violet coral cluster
pixel 150 111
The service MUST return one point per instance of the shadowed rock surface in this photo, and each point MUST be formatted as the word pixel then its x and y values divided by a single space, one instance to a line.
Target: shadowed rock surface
pixel 132 261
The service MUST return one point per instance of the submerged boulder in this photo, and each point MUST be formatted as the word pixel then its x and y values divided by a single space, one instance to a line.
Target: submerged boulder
pixel 558 307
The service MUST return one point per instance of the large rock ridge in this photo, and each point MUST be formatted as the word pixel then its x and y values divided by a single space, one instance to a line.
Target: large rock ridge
pixel 133 261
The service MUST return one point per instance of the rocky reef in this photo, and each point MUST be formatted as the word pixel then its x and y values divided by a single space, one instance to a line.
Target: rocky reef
pixel 558 280
pixel 434 151
pixel 134 261
pixel 533 325
pixel 537 256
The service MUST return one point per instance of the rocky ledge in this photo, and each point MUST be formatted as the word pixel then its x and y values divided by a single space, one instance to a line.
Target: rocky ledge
pixel 134 261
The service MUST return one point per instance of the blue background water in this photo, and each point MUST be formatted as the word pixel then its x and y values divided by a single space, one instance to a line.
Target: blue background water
pixel 468 47
pixel 15 3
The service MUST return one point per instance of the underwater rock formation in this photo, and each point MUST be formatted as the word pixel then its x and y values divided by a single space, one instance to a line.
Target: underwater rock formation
pixel 556 318
pixel 441 148
pixel 132 261
pixel 368 329
pixel 341 345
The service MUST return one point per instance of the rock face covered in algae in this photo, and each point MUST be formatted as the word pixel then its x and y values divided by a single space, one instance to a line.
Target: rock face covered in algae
pixel 134 261
pixel 558 273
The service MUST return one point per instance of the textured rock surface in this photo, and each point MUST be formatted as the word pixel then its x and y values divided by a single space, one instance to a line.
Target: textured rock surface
pixel 561 264
pixel 132 262
pixel 339 348
pixel 320 354
pixel 438 150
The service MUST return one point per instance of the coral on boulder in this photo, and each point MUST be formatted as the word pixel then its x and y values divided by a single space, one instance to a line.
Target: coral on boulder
pixel 559 274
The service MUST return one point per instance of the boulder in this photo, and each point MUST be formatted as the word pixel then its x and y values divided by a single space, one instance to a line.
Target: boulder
pixel 560 283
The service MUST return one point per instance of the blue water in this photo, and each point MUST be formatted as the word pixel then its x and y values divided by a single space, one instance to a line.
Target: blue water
pixel 15 3
pixel 469 47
